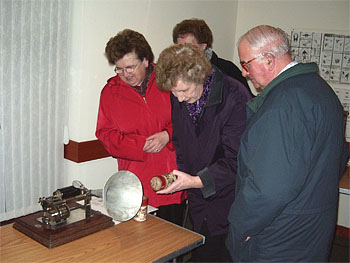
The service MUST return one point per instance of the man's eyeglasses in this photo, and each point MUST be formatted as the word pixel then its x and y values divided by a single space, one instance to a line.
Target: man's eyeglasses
pixel 128 69
pixel 245 65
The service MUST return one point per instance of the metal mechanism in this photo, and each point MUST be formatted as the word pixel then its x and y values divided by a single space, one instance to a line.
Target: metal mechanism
pixel 58 207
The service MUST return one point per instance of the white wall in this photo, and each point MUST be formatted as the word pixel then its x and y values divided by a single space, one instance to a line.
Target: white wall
pixel 343 210
pixel 93 22
pixel 324 15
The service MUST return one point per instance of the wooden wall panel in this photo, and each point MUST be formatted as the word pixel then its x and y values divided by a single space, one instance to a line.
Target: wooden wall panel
pixel 84 151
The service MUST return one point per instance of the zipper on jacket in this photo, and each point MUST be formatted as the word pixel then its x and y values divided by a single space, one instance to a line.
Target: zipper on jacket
pixel 144 99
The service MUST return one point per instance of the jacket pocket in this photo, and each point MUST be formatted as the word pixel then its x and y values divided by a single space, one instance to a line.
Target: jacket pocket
pixel 241 251
pixel 246 251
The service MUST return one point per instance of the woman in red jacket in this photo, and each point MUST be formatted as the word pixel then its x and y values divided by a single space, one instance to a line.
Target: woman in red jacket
pixel 134 119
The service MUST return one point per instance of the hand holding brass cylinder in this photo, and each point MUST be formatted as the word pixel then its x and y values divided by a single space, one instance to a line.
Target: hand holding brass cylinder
pixel 162 181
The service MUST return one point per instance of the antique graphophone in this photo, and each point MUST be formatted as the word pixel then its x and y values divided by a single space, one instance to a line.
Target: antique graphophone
pixel 57 208
pixel 67 214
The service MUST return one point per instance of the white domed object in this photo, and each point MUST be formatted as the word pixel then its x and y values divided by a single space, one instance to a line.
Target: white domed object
pixel 122 195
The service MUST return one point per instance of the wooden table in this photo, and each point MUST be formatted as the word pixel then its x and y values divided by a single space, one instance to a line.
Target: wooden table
pixel 154 240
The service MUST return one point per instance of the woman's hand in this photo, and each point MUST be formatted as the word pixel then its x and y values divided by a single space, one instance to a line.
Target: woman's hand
pixel 183 181
pixel 156 142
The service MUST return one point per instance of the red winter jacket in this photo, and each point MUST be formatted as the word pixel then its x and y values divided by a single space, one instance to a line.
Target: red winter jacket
pixel 125 120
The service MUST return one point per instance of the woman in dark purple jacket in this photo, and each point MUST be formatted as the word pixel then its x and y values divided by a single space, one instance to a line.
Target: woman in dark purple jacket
pixel 209 117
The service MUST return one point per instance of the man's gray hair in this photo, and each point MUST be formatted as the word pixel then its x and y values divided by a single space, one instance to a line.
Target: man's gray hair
pixel 267 39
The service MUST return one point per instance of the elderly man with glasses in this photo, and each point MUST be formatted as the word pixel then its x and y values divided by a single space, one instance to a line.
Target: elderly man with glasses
pixel 291 157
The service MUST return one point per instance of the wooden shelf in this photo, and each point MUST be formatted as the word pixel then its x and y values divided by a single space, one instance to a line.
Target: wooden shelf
pixel 344 183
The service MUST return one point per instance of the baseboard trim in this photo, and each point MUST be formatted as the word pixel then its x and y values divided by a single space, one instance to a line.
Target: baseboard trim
pixel 342 231
pixel 84 151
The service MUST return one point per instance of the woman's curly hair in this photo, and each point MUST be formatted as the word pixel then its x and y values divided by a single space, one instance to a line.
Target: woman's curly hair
pixel 125 42
pixel 183 62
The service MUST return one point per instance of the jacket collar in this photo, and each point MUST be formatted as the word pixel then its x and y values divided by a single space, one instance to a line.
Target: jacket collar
pixel 214 57
pixel 215 95
pixel 255 103
pixel 117 81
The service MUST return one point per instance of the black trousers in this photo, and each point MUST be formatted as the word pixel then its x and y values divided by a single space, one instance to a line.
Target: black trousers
pixel 173 213
pixel 213 250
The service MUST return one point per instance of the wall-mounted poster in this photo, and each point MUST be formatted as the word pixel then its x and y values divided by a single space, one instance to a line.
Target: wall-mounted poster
pixel 330 51
pixel 344 96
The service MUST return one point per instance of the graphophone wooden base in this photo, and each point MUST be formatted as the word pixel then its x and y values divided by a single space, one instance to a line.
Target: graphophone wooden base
pixel 32 227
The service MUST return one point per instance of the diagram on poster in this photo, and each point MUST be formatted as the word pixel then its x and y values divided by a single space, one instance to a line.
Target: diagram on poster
pixel 330 51
pixel 344 97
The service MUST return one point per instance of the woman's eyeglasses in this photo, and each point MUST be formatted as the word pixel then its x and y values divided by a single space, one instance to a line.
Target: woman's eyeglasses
pixel 128 69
